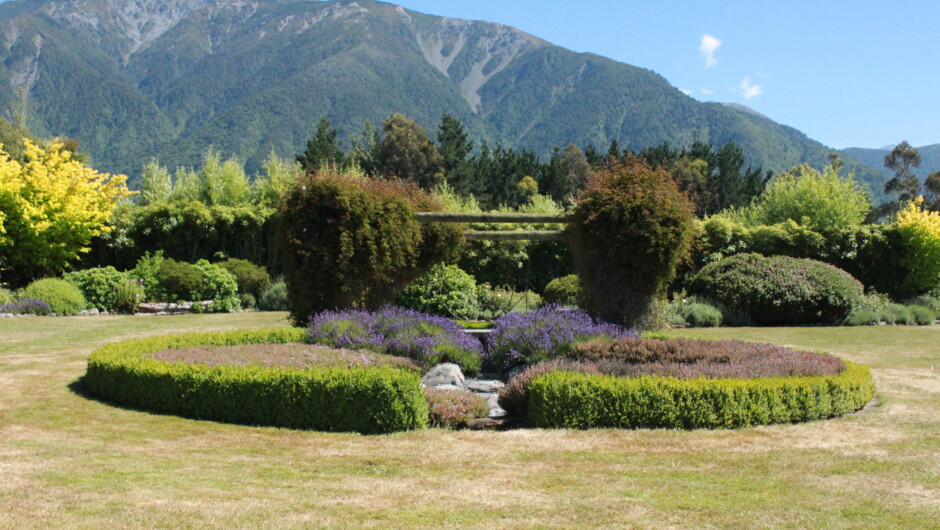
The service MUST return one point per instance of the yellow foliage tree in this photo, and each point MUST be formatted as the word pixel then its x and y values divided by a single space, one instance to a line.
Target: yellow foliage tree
pixel 51 206
pixel 920 234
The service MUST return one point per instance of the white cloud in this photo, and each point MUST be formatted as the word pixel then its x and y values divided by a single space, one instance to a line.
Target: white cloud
pixel 707 46
pixel 707 91
pixel 685 91
pixel 748 90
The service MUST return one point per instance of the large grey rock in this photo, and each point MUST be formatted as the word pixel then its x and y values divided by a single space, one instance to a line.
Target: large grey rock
pixel 444 374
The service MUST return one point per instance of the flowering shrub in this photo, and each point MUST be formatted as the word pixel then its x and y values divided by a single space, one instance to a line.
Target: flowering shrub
pixel 26 306
pixel 546 333
pixel 453 409
pixel 427 339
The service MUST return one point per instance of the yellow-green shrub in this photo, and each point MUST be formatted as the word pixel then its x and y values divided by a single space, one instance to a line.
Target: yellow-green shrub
pixel 576 400
pixel 359 399
pixel 920 237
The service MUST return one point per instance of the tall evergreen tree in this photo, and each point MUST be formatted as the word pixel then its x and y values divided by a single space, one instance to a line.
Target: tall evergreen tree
pixel 323 148
pixel 453 143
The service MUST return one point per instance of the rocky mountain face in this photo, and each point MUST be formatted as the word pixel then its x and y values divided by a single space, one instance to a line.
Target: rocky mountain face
pixel 134 79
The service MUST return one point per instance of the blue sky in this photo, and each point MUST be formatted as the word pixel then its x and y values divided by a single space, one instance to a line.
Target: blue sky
pixel 847 73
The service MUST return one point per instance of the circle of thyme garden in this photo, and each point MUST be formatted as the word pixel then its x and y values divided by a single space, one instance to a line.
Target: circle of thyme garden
pixel 353 247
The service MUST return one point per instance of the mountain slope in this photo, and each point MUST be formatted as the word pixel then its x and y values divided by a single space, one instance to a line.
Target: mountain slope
pixel 929 155
pixel 132 79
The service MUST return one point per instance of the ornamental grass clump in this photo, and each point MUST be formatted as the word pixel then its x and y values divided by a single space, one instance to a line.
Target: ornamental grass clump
pixel 427 339
pixel 546 333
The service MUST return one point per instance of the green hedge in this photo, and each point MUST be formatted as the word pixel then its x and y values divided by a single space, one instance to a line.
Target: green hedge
pixel 575 400
pixel 360 399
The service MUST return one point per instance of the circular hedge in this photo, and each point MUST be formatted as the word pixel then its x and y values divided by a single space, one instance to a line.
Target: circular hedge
pixel 364 399
pixel 585 400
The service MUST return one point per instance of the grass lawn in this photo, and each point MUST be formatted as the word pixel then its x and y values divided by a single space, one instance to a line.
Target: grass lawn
pixel 69 461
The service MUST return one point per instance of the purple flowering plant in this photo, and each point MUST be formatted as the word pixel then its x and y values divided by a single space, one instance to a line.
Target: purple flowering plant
pixel 547 333
pixel 427 339
pixel 26 306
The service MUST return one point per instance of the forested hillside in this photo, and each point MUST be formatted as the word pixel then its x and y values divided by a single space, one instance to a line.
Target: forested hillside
pixel 138 79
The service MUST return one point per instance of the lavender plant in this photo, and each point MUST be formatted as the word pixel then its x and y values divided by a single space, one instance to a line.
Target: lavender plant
pixel 26 306
pixel 427 339
pixel 547 333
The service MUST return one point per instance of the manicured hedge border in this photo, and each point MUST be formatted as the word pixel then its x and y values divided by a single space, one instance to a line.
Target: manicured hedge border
pixel 361 399
pixel 575 400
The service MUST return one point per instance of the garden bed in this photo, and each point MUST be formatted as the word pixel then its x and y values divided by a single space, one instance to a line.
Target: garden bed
pixel 686 383
pixel 360 398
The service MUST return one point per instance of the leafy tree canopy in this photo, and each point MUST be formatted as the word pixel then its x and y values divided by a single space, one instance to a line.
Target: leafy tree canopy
pixel 821 201
pixel 51 205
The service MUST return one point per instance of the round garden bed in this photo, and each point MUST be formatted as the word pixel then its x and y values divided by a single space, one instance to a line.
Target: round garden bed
pixel 312 388
pixel 685 383
pixel 269 377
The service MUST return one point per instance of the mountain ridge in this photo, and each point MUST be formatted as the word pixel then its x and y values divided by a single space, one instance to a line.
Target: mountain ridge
pixel 133 79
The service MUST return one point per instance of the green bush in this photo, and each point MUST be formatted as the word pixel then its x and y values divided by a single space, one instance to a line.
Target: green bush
pixel 930 302
pixel 355 242
pixel 358 399
pixel 870 253
pixel 189 231
pixel 779 290
pixel 274 297
pixel 252 279
pixel 145 271
pixel 896 314
pixel 99 286
pixel 922 316
pixel 247 301
pixel 127 296
pixel 219 286
pixel 563 291
pixel 62 296
pixel 632 227
pixel 6 296
pixel 822 202
pixel 575 400
pixel 177 281
pixel 445 290
pixel 863 317
pixel 700 315
pixel 514 397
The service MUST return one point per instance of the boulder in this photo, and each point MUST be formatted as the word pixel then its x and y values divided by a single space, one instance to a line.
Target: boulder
pixel 444 374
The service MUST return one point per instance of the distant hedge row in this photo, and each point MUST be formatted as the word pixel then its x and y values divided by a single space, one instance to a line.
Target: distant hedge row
pixel 583 401
pixel 358 399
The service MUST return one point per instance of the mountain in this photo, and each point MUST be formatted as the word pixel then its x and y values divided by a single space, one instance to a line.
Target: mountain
pixel 134 79
pixel 875 158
